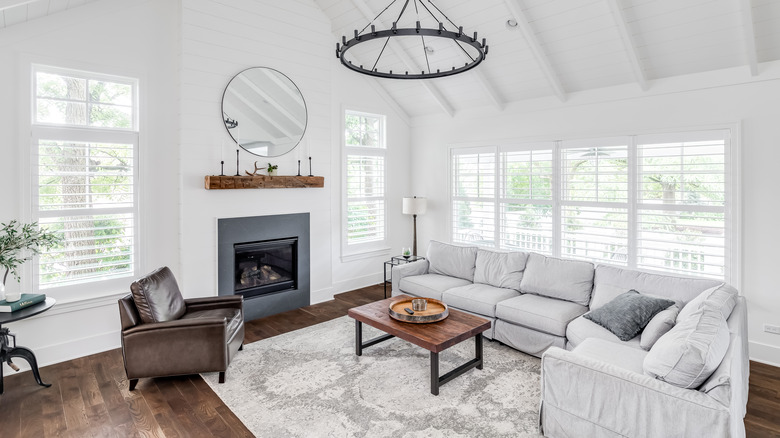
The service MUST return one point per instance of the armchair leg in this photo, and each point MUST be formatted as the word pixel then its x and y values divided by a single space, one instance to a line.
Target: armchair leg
pixel 241 347
pixel 133 382
pixel 222 377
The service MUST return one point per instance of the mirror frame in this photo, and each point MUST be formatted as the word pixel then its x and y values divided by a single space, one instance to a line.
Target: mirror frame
pixel 237 141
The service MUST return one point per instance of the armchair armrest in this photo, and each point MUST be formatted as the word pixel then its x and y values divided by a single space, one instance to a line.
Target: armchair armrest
pixel 175 347
pixel 419 267
pixel 220 302
pixel 582 396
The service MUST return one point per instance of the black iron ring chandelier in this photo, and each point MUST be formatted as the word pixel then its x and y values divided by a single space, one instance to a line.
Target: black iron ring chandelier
pixel 458 37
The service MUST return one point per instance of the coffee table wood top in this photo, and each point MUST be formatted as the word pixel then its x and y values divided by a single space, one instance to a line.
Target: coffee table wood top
pixel 434 337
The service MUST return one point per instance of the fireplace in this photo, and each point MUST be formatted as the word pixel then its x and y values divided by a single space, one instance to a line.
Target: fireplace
pixel 265 267
pixel 266 260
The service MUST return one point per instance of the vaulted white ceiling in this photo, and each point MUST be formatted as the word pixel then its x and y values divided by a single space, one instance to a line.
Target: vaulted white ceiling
pixel 18 11
pixel 560 47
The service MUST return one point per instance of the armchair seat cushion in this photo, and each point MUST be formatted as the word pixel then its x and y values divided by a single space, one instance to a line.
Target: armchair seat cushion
pixel 233 317
pixel 430 285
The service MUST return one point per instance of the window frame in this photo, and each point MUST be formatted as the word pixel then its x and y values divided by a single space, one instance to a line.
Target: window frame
pixel 357 251
pixel 82 133
pixel 731 208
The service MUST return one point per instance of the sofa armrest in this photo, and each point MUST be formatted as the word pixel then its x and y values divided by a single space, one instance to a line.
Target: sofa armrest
pixel 209 303
pixel 419 267
pixel 582 396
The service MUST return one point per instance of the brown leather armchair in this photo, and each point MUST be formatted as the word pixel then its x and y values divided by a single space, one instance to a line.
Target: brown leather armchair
pixel 166 335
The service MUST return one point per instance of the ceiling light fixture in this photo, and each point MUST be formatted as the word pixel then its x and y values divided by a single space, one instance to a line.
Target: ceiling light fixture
pixel 511 23
pixel 475 50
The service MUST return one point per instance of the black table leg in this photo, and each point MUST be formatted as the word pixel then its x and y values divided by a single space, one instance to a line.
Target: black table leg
pixel 360 345
pixel 27 354
pixel 477 363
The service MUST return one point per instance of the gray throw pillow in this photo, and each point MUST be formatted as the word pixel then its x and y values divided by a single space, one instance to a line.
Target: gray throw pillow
pixel 628 313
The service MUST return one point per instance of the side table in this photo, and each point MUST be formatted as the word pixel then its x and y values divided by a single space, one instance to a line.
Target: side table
pixel 395 261
pixel 7 352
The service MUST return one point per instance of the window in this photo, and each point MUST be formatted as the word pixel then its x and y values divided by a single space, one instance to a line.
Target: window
pixel 655 202
pixel 84 175
pixel 364 150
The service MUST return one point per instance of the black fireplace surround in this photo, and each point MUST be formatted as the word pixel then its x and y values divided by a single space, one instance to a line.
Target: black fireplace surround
pixel 265 259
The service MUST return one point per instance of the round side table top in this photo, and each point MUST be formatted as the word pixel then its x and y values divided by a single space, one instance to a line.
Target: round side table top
pixel 6 317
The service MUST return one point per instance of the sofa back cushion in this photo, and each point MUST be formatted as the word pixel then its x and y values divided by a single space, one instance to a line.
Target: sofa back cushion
pixel 500 269
pixel 569 280
pixel 722 297
pixel 451 260
pixel 157 297
pixel 689 353
pixel 611 281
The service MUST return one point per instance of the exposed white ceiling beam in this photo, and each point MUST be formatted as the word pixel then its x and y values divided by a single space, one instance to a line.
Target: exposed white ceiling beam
pixel 8 4
pixel 628 43
pixel 749 34
pixel 377 86
pixel 536 48
pixel 406 59
pixel 498 102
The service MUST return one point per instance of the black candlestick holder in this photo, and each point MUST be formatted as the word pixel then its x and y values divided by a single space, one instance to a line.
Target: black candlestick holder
pixel 310 174
pixel 237 172
pixel 299 167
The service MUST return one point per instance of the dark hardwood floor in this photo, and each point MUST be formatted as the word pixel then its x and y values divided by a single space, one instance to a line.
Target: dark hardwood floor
pixel 89 395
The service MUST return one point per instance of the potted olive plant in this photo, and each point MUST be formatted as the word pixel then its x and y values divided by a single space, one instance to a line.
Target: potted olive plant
pixel 19 243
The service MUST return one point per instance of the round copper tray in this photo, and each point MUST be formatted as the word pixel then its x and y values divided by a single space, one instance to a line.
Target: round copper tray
pixel 436 311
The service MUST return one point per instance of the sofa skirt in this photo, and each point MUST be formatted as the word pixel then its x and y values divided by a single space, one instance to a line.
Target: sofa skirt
pixel 525 339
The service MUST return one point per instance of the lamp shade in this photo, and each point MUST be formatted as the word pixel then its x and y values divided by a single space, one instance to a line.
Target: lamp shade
pixel 415 205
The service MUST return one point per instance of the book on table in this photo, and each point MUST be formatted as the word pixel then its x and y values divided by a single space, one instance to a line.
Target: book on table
pixel 27 300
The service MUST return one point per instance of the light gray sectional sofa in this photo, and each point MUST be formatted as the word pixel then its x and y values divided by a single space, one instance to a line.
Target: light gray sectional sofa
pixel 594 384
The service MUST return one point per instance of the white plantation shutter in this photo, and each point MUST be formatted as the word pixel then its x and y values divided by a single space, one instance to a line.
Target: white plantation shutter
pixel 84 177
pixel 682 203
pixel 594 201
pixel 655 202
pixel 474 196
pixel 526 214
pixel 365 178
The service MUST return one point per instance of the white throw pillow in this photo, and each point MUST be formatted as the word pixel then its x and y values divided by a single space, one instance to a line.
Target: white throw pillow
pixel 500 269
pixel 689 353
pixel 722 297
pixel 451 260
pixel 661 323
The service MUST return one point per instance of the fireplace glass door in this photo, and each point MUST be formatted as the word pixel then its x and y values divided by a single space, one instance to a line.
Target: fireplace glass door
pixel 265 267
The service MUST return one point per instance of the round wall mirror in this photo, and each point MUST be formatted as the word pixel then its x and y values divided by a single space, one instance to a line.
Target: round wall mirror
pixel 264 112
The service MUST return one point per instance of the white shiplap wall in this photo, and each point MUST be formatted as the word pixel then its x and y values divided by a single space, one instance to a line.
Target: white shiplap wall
pixel 219 38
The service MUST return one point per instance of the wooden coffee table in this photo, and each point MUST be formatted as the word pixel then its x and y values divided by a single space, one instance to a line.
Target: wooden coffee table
pixel 434 337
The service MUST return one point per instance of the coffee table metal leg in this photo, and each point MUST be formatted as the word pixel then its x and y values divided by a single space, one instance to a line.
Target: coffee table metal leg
pixel 477 363
pixel 360 345
pixel 435 373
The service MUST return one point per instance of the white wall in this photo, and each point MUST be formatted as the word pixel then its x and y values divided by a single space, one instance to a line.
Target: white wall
pixel 293 37
pixel 693 101
pixel 136 39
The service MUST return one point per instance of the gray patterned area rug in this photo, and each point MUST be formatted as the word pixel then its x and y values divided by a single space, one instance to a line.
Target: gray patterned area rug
pixel 310 383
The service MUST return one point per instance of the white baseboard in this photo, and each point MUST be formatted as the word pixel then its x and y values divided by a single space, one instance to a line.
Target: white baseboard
pixel 73 349
pixel 357 283
pixel 768 354
pixel 322 295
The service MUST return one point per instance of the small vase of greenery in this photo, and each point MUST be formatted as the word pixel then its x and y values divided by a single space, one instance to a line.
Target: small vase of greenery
pixel 272 169
pixel 20 243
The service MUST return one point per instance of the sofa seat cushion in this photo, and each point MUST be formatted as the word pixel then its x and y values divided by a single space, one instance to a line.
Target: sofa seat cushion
pixel 233 317
pixel 570 280
pixel 544 314
pixel 430 285
pixel 478 298
pixel 500 269
pixel 581 329
pixel 614 353
pixel 452 260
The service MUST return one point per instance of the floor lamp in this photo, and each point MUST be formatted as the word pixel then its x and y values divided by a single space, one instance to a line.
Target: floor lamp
pixel 415 206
